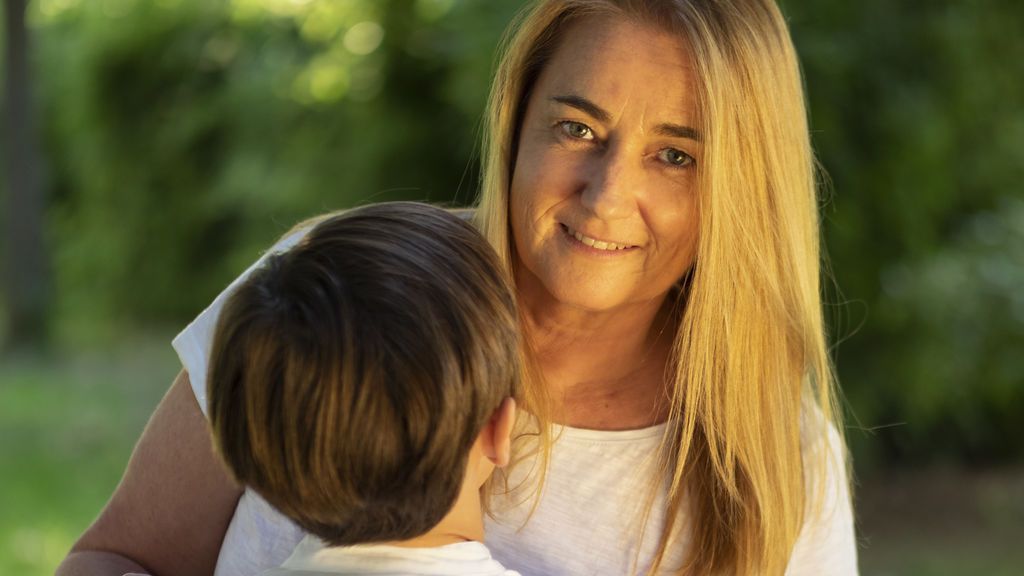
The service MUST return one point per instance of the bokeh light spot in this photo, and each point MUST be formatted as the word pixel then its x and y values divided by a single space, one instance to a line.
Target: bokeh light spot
pixel 328 83
pixel 364 38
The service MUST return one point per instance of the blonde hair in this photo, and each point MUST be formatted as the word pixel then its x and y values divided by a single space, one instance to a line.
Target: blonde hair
pixel 750 364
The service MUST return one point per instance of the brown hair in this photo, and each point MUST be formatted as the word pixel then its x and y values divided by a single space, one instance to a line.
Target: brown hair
pixel 352 374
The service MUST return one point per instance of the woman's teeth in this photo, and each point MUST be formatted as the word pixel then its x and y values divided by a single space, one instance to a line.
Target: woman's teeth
pixel 599 244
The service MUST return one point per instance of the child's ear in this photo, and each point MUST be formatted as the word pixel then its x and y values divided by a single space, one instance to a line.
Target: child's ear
pixel 499 447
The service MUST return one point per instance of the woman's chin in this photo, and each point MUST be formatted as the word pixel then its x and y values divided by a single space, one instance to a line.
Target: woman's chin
pixel 559 282
pixel 592 297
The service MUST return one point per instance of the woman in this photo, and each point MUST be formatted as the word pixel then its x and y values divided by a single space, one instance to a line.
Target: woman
pixel 648 180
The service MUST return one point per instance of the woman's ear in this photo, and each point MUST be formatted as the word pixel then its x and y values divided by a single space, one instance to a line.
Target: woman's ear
pixel 498 444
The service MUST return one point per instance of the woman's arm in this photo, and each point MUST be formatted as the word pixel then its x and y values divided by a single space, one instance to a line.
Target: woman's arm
pixel 169 514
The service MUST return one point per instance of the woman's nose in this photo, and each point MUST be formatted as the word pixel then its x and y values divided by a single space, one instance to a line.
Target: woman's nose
pixel 611 187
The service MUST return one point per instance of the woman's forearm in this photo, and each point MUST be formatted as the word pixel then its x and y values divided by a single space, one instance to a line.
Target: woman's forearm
pixel 97 563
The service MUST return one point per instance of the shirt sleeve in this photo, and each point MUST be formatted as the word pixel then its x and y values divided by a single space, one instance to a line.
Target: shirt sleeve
pixel 827 543
pixel 193 343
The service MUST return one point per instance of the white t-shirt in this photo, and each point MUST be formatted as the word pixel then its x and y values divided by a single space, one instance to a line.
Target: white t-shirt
pixel 587 521
pixel 312 558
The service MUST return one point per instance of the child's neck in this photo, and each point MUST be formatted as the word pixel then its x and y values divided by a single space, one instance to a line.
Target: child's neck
pixel 463 523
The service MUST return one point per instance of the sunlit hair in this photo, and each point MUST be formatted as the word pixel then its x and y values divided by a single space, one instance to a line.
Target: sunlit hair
pixel 753 400
pixel 351 374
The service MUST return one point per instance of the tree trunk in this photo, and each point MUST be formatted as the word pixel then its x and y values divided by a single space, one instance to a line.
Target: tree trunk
pixel 26 283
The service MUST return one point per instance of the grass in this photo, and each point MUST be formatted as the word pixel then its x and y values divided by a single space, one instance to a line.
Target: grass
pixel 68 424
pixel 67 427
pixel 943 521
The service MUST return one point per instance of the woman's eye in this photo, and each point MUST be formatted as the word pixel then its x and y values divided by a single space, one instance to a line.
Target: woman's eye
pixel 577 130
pixel 675 157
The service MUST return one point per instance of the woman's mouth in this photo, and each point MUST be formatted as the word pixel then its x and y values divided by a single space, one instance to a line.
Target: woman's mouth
pixel 594 242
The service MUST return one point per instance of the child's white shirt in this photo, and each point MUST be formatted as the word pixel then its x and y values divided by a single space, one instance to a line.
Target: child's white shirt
pixel 313 558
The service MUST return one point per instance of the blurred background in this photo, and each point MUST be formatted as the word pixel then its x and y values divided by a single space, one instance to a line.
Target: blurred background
pixel 154 148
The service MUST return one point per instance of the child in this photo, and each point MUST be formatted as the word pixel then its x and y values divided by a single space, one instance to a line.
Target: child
pixel 362 383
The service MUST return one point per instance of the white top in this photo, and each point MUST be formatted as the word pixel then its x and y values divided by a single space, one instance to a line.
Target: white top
pixel 312 557
pixel 588 519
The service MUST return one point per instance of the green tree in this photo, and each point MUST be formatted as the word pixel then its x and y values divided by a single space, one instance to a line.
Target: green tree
pixel 26 282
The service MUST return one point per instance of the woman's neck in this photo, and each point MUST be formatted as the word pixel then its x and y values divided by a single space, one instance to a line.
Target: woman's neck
pixel 604 370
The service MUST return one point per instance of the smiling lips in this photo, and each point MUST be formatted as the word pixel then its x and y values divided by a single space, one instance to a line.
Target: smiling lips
pixel 594 243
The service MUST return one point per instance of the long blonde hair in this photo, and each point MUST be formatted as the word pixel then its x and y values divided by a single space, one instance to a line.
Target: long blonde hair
pixel 752 383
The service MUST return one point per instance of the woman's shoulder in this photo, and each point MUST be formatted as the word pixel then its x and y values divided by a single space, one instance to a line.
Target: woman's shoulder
pixel 818 430
pixel 825 457
pixel 193 343
pixel 827 541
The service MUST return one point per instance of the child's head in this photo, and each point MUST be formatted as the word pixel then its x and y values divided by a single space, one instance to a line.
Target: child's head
pixel 351 375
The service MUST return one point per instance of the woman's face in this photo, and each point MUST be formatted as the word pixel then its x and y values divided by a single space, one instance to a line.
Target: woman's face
pixel 603 198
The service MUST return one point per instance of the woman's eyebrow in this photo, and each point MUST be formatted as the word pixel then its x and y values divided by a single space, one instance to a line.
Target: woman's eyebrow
pixel 582 104
pixel 593 110
pixel 677 131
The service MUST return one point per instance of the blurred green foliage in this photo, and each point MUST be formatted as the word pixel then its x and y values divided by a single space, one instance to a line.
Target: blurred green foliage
pixel 183 136
pixel 917 116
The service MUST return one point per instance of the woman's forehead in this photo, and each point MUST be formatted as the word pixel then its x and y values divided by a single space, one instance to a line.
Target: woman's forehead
pixel 617 61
